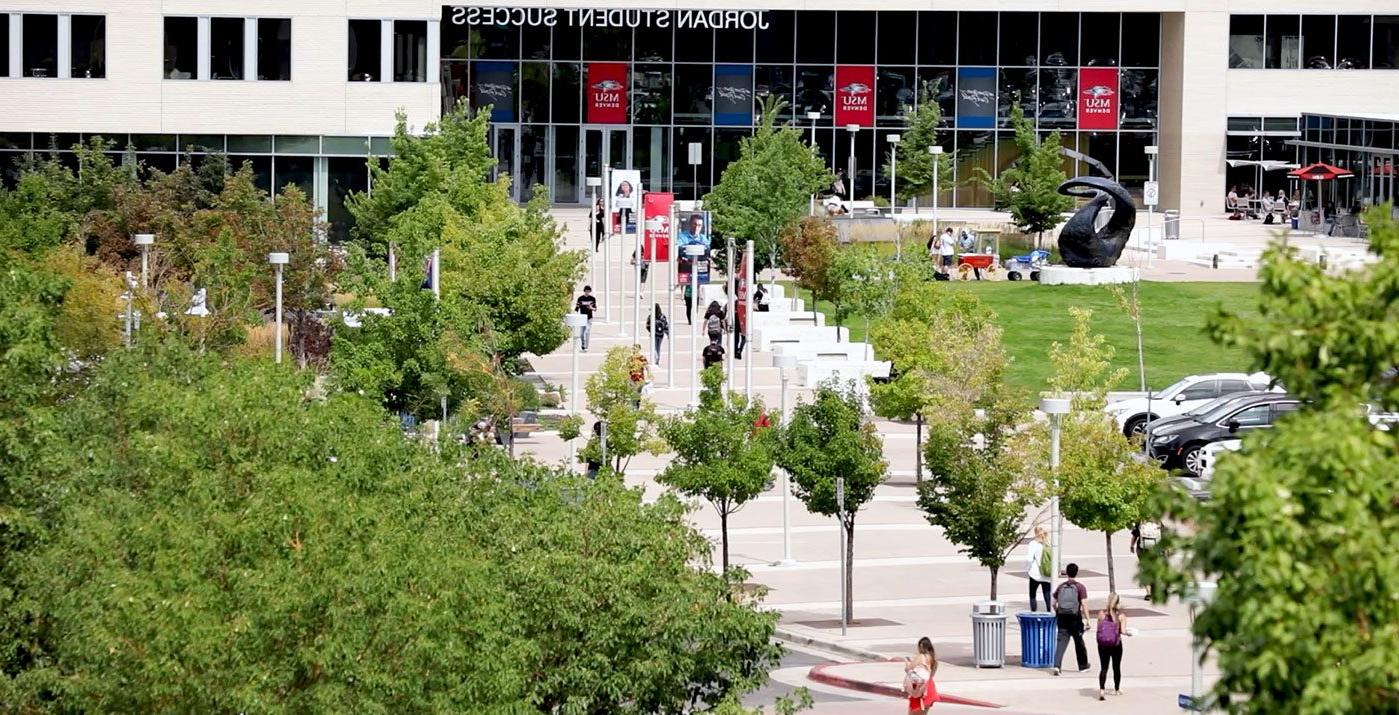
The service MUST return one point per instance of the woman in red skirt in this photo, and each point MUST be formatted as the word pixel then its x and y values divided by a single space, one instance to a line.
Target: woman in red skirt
pixel 918 678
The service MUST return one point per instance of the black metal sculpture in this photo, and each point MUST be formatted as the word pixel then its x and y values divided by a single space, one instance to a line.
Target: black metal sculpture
pixel 1083 246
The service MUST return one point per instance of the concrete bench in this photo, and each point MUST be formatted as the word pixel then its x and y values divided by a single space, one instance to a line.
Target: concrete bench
pixel 762 319
pixel 825 351
pixel 815 372
pixel 766 336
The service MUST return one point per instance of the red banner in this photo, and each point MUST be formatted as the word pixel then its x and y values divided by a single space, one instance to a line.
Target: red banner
pixel 741 289
pixel 855 95
pixel 607 93
pixel 1097 98
pixel 655 210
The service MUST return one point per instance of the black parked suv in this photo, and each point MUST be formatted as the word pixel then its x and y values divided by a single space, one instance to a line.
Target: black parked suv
pixel 1176 443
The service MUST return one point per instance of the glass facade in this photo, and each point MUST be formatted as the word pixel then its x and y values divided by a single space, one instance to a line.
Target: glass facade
pixel 573 90
pixel 1314 42
pixel 1364 145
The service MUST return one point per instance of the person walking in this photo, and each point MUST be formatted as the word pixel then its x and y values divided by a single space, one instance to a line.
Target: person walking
pixel 740 336
pixel 639 374
pixel 715 324
pixel 947 248
pixel 599 225
pixel 659 328
pixel 1039 565
pixel 587 305
pixel 1070 613
pixel 713 354
pixel 919 670
pixel 1111 626
pixel 689 304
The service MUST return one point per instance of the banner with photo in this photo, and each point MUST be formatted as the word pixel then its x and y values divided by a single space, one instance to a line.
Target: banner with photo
pixel 854 95
pixel 607 93
pixel 694 229
pixel 1097 98
pixel 493 83
pixel 976 98
pixel 655 220
pixel 733 95
pixel 625 193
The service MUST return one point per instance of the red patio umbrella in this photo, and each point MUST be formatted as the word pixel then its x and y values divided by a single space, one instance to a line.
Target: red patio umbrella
pixel 1320 172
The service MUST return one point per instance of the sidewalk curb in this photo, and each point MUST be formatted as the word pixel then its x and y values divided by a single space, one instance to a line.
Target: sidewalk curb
pixel 818 673
pixel 783 634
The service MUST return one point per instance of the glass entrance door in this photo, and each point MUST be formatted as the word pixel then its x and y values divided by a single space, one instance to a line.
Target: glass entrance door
pixel 505 144
pixel 605 146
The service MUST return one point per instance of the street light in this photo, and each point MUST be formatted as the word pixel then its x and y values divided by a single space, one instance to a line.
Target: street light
pixel 936 152
pixel 694 251
pixel 814 117
pixel 853 129
pixel 575 323
pixel 145 241
pixel 1150 200
pixel 594 182
pixel 1055 408
pixel 784 365
pixel 278 260
pixel 1201 597
pixel 893 140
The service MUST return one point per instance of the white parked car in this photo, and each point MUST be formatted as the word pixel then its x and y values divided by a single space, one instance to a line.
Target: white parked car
pixel 1132 415
pixel 1209 456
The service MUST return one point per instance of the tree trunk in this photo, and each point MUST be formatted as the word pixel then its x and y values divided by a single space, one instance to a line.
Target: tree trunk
pixel 813 307
pixel 994 573
pixel 849 604
pixel 918 446
pixel 724 537
pixel 836 307
pixel 1112 573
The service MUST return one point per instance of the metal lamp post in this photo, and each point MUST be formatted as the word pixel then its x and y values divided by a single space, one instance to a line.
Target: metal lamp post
pixel 1149 198
pixel 784 365
pixel 278 260
pixel 813 117
pixel 575 323
pixel 893 140
pixel 594 182
pixel 853 129
pixel 694 251
pixel 145 241
pixel 1055 408
pixel 936 152
pixel 1204 593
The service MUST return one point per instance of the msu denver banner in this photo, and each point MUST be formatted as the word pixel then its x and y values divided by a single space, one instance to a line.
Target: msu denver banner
pixel 1097 98
pixel 733 95
pixel 976 98
pixel 855 95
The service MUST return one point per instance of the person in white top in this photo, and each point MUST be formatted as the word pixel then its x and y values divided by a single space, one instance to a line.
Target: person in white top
pixel 946 249
pixel 1038 564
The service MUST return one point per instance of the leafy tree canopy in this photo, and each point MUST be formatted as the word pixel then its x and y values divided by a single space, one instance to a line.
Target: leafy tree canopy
pixel 1029 188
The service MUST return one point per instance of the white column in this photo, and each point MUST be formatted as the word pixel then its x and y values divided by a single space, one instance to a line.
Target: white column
pixel 278 260
pixel 203 44
pixel 437 273
pixel 1055 408
pixel 386 50
pixel 730 309
pixel 434 51
pixel 250 48
pixel 65 46
pixel 16 45
pixel 670 298
pixel 784 364
pixel 749 282
pixel 636 280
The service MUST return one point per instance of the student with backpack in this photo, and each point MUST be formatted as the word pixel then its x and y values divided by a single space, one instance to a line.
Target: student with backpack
pixel 918 678
pixel 659 327
pixel 714 323
pixel 1111 625
pixel 1070 613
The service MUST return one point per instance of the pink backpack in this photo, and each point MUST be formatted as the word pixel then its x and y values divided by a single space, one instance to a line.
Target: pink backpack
pixel 1108 632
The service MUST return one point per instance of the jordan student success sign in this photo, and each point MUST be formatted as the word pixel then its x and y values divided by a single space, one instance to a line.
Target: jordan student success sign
pixel 582 17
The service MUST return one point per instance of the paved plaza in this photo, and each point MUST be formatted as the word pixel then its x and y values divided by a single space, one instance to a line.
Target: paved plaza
pixel 909 580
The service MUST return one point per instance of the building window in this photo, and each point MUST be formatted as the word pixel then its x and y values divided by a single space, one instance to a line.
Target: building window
pixel 1284 42
pixel 1246 41
pixel 365 49
pixel 1353 42
pixel 181 48
pixel 1318 42
pixel 274 49
pixel 226 47
pixel 40 45
pixel 1101 36
pixel 1386 49
pixel 409 51
pixel 4 45
pixel 89 46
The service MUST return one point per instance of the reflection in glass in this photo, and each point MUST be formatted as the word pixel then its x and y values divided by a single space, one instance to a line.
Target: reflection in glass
pixel 649 151
pixel 532 172
pixel 733 45
pixel 1133 164
pixel 1101 35
pixel 895 90
pixel 1284 42
pixel 693 88
pixel 1058 103
pixel 567 92
pixel 1386 43
pixel 816 91
pixel 940 82
pixel 816 36
pixel 611 44
pixel 975 150
pixel 1059 39
pixel 1019 38
pixel 977 38
pixel 694 45
pixel 299 171
pixel 1318 41
pixel 40 45
pixel 651 94
pixel 182 46
pixel 855 37
pixel 1353 42
pixel 937 38
pixel 1017 86
pixel 89 51
pixel 565 164
pixel 778 42
pixel 1245 41
pixel 534 91
pixel 653 44
pixel 226 47
pixel 535 41
pixel 409 51
pixel 1141 39
pixel 1103 147
pixel 689 182
pixel 274 49
pixel 1139 98
pixel 343 175
pixel 261 167
pixel 898 37
pixel 775 81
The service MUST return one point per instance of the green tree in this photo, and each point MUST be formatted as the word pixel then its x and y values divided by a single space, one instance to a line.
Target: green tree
pixel 828 439
pixel 290 552
pixel 808 251
pixel 767 188
pixel 862 282
pixel 979 484
pixel 1029 188
pixel 1301 531
pixel 916 165
pixel 632 422
pixel 721 454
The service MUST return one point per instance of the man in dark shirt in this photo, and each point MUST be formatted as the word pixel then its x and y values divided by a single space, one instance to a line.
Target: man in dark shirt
pixel 1070 613
pixel 586 305
pixel 713 354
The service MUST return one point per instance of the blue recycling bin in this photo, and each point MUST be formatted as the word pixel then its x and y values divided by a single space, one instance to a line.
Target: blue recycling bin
pixel 1038 634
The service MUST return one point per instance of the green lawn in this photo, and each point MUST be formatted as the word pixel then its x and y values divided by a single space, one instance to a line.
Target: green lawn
pixel 1034 316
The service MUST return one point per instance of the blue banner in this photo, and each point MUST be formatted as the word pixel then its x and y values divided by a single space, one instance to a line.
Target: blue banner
pixel 733 95
pixel 493 83
pixel 976 98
